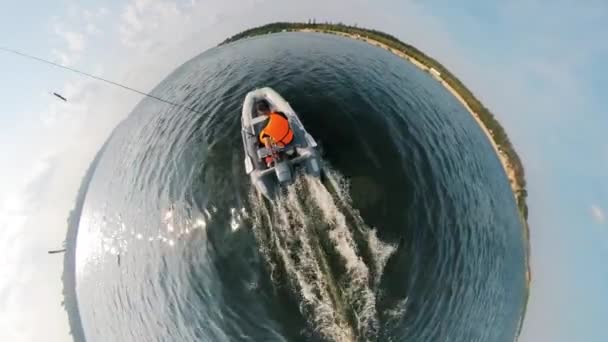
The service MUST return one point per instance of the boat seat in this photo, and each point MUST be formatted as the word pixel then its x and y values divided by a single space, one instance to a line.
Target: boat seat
pixel 263 153
pixel 258 119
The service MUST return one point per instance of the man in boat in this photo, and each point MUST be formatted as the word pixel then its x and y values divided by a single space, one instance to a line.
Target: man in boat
pixel 277 132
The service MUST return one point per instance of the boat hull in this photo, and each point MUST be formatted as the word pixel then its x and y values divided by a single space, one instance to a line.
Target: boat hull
pixel 299 156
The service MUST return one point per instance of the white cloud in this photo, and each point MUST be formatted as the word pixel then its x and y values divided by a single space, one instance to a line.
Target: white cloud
pixel 74 40
pixel 74 45
pixel 132 23
pixel 142 18
pixel 33 212
pixel 20 275
pixel 91 29
pixel 598 214
pixel 61 57
pixel 35 202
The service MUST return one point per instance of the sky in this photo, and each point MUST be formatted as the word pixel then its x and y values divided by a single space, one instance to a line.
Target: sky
pixel 538 65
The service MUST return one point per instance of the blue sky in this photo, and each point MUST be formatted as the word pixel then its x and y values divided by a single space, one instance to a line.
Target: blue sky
pixel 538 65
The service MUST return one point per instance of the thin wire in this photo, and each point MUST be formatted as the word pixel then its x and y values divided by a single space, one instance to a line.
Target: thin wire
pixel 23 54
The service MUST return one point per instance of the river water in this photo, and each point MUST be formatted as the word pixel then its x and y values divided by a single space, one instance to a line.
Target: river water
pixel 413 235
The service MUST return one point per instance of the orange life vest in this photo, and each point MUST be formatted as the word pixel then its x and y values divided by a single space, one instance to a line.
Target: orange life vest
pixel 278 129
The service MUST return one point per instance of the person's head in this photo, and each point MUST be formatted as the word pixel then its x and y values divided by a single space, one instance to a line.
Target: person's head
pixel 262 107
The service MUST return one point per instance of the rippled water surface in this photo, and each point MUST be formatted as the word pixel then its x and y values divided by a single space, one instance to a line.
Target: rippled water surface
pixel 412 236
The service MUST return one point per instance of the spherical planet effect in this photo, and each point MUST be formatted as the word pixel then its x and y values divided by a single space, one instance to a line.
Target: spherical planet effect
pixel 413 235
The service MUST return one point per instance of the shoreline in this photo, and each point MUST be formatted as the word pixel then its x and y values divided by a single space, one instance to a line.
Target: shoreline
pixel 509 170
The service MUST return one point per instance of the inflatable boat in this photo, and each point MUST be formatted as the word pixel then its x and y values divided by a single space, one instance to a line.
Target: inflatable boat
pixel 273 167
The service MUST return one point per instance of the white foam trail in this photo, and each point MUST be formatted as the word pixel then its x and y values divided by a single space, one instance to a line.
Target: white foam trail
pixel 260 215
pixel 316 297
pixel 326 279
pixel 381 252
pixel 359 294
pixel 395 313
pixel 340 186
pixel 304 273
pixel 327 301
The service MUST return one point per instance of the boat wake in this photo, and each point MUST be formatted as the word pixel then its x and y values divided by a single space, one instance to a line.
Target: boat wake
pixel 317 246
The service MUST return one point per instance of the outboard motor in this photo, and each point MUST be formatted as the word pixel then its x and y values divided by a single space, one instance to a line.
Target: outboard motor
pixel 283 172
